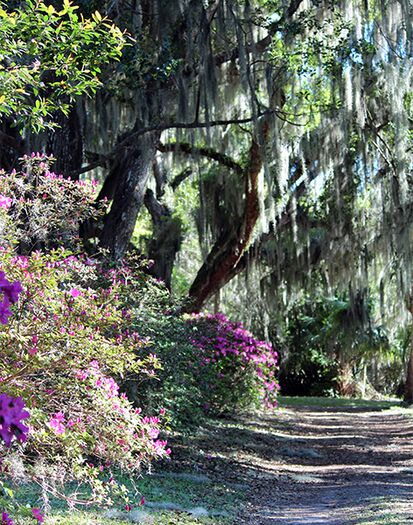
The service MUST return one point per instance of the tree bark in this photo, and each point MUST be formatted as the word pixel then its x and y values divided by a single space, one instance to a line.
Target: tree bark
pixel 408 393
pixel 166 240
pixel 65 143
pixel 230 246
pixel 131 168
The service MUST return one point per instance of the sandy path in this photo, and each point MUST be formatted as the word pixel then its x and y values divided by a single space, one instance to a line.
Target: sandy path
pixel 338 466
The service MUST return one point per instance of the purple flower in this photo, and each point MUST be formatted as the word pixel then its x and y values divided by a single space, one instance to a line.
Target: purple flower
pixel 10 295
pixel 5 311
pixel 5 519
pixel 38 515
pixel 11 414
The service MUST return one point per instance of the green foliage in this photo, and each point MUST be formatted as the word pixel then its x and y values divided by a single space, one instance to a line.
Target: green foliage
pixel 49 57
pixel 308 368
pixel 177 388
pixel 328 341
pixel 313 52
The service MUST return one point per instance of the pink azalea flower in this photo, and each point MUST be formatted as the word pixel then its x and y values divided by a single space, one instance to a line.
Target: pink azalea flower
pixel 5 202
pixel 57 423
pixel 38 515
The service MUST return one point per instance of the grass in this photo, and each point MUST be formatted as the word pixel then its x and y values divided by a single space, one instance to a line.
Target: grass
pixel 343 402
pixel 162 489
pixel 92 518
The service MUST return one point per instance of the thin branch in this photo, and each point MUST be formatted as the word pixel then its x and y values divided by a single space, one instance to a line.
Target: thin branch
pixel 181 177
pixel 212 10
pixel 210 153
pixel 191 125
pixel 89 167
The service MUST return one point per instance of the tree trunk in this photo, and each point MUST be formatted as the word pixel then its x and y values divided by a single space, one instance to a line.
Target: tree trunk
pixel 408 396
pixel 166 241
pixel 132 168
pixel 65 143
pixel 229 248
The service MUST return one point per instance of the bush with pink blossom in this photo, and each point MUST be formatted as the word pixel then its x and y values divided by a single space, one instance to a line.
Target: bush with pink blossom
pixel 40 209
pixel 66 346
pixel 236 370
pixel 210 365
pixel 64 350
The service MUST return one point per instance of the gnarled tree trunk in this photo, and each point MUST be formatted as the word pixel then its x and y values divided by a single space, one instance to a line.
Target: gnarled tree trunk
pixel 166 240
pixel 132 168
pixel 229 248
pixel 65 143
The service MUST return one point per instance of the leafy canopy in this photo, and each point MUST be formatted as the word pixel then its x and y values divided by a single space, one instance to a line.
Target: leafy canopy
pixel 48 57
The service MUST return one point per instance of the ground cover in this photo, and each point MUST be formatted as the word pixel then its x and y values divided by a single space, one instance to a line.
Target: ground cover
pixel 313 461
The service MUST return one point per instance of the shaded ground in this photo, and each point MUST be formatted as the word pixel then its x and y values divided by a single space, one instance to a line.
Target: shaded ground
pixel 310 465
pixel 313 462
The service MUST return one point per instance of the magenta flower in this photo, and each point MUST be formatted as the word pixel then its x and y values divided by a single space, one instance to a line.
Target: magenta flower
pixel 38 515
pixel 74 292
pixel 5 202
pixel 57 423
pixel 11 415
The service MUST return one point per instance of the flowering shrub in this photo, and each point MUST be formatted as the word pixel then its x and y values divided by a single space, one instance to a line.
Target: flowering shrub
pixel 209 365
pixel 235 369
pixel 62 352
pixel 39 209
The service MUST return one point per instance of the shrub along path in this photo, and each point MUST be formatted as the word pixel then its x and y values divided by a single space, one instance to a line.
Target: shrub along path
pixel 314 462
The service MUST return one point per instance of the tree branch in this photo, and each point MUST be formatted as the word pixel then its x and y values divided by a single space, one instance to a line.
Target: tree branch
pixel 181 177
pixel 263 44
pixel 210 153
pixel 192 125
pixel 173 125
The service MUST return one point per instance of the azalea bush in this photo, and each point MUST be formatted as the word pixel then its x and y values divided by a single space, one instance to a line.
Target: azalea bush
pixel 236 370
pixel 64 350
pixel 66 347
pixel 210 365
pixel 40 209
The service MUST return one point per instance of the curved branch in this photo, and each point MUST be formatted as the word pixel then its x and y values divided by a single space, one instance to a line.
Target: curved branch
pixel 210 153
pixel 231 245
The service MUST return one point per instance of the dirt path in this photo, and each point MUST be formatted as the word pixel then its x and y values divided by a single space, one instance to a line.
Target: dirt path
pixel 338 466
pixel 316 465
